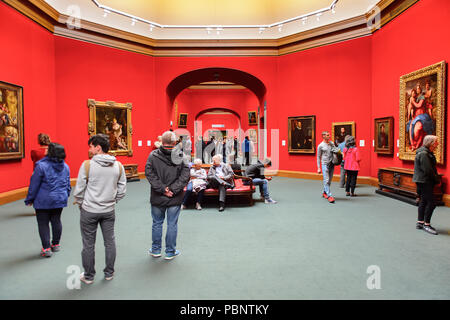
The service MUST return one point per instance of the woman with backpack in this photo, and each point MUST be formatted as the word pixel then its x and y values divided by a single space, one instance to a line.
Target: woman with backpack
pixel 352 158
pixel 48 193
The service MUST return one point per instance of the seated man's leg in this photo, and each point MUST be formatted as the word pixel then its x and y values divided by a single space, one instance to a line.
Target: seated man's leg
pixel 222 195
pixel 263 188
pixel 200 195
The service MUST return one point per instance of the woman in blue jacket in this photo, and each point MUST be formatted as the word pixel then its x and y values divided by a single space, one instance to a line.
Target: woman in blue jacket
pixel 48 193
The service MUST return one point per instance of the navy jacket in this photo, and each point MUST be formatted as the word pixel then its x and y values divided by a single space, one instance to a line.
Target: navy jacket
pixel 49 185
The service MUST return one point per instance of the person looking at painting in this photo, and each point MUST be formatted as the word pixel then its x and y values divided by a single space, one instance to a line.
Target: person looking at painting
pixel 48 193
pixel 41 152
pixel 341 146
pixel 420 122
pixel 325 165
pixel 426 177
pixel 256 172
pixel 158 142
pixel 352 158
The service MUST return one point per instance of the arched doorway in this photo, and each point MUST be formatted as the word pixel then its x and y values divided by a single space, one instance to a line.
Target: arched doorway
pixel 230 76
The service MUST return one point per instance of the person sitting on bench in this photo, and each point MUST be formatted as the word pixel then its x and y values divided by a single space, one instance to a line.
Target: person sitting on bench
pixel 220 176
pixel 197 184
pixel 256 172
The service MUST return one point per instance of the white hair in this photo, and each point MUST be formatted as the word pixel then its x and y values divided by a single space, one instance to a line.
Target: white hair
pixel 218 157
pixel 198 161
pixel 429 140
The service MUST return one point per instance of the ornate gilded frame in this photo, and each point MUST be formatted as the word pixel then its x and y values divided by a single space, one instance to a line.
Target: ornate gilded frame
pixel 11 122
pixel 111 107
pixel 182 116
pixel 389 123
pixel 250 114
pixel 421 75
pixel 291 124
pixel 335 125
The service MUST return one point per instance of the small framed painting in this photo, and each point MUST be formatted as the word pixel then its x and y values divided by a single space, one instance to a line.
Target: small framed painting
pixel 384 135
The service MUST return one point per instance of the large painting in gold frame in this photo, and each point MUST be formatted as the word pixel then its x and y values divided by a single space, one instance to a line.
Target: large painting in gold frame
pixel 113 119
pixel 422 110
pixel 11 122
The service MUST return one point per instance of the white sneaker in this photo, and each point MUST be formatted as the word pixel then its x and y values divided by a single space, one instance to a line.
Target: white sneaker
pixel 270 200
pixel 183 207
pixel 198 206
pixel 83 279
pixel 109 278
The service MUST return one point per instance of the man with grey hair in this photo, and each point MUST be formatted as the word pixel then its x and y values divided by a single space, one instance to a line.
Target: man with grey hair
pixel 220 176
pixel 426 177
pixel 256 172
pixel 324 157
pixel 168 175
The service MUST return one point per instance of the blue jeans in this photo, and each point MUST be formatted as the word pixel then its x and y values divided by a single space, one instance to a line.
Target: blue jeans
pixel 158 215
pixel 327 177
pixel 188 194
pixel 263 188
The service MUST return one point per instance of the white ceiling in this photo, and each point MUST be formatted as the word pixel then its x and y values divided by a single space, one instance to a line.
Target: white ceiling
pixel 212 12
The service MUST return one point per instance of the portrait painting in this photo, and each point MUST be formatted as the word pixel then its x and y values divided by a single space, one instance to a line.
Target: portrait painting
pixel 114 120
pixel 302 134
pixel 422 110
pixel 341 129
pixel 182 120
pixel 384 135
pixel 11 122
pixel 252 118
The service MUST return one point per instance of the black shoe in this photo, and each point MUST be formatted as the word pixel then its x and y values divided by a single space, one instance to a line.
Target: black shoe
pixel 348 194
pixel 221 206
pixel 221 209
pixel 429 229
pixel 419 225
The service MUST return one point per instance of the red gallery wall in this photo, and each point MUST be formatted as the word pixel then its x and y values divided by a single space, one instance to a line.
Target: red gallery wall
pixel 414 40
pixel 355 80
pixel 27 59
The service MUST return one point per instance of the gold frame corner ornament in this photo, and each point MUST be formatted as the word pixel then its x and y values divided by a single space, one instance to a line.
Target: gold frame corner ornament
pixel 92 125
pixel 440 70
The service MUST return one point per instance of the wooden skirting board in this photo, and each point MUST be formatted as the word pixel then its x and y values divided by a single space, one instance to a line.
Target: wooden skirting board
pixel 21 193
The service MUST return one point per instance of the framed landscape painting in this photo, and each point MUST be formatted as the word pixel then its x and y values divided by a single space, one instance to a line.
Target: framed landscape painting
pixel 11 122
pixel 340 129
pixel 384 135
pixel 302 134
pixel 422 110
pixel 114 120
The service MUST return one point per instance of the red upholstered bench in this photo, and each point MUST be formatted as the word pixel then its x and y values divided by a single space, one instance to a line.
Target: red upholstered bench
pixel 240 190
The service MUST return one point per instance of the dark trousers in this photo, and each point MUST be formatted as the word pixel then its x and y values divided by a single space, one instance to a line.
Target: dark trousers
pixel 189 192
pixel 247 158
pixel 426 202
pixel 89 222
pixel 215 183
pixel 44 217
pixel 350 184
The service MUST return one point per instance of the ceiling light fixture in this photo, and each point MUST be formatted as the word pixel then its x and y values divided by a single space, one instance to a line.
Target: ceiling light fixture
pixel 280 28
pixel 261 28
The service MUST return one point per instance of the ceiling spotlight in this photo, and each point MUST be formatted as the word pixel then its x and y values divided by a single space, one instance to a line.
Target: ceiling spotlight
pixel 151 27
pixel 318 16
pixel 218 30
pixel 261 29
pixel 304 20
pixel 105 13
pixel 280 27
pixel 333 10
pixel 209 30
pixel 133 21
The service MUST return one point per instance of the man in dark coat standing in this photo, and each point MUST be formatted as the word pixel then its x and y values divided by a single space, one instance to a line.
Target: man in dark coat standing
pixel 426 177
pixel 168 175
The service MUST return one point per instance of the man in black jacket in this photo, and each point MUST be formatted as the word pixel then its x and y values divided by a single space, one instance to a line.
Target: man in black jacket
pixel 168 175
pixel 426 177
pixel 256 172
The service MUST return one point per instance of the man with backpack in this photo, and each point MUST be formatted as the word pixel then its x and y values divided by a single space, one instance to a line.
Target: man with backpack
pixel 328 155
pixel 100 185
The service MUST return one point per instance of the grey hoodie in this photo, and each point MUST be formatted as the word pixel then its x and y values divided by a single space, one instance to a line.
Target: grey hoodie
pixel 104 187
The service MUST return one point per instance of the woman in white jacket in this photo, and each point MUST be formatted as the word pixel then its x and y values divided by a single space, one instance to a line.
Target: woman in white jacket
pixel 197 184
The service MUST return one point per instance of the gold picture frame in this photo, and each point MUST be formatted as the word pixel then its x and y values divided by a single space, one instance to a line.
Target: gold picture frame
pixel 302 134
pixel 113 119
pixel 11 122
pixel 337 135
pixel 384 135
pixel 423 112
pixel 182 120
pixel 252 118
